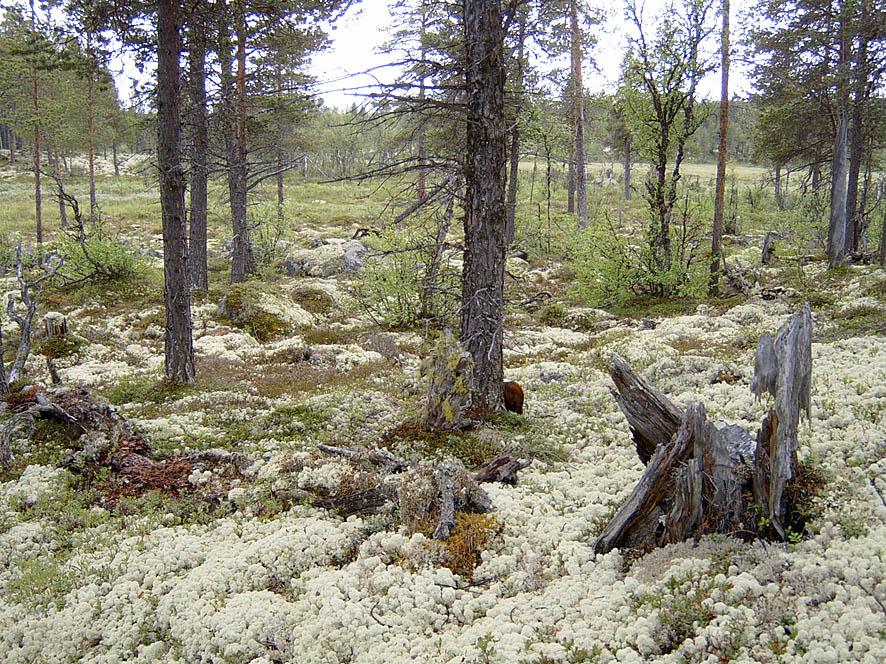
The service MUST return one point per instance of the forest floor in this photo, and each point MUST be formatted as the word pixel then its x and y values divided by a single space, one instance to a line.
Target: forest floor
pixel 233 568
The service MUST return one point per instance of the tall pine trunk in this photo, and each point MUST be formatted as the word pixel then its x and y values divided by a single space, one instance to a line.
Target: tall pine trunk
pixel 578 118
pixel 717 233
pixel 837 224
pixel 482 312
pixel 176 290
pixel 627 169
pixel 62 210
pixel 38 193
pixel 515 138
pixel 234 101
pixel 90 129
pixel 856 133
pixel 199 269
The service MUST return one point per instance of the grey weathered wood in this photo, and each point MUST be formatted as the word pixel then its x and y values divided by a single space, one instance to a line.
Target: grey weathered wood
pixel 637 520
pixel 767 252
pixel 694 481
pixel 651 416
pixel 446 485
pixel 503 469
pixel 782 368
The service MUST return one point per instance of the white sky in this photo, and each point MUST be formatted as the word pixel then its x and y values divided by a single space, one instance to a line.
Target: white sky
pixel 358 36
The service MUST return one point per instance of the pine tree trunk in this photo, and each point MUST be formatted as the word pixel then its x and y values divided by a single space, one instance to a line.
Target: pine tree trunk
pixel 482 313
pixel 514 171
pixel 234 102
pixel 837 225
pixel 578 115
pixel 856 133
pixel 116 158
pixel 176 291
pixel 280 156
pixel 719 198
pixel 38 194
pixel 627 170
pixel 779 201
pixel 62 210
pixel 90 137
pixel 199 271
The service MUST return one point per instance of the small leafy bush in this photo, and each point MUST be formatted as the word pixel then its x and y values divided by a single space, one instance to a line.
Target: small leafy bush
pixel 406 280
pixel 97 255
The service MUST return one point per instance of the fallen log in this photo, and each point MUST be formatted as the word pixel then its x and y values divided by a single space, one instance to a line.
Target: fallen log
pixel 699 474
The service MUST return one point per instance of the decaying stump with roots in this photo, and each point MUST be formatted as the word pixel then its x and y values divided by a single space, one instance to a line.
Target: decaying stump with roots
pixel 704 476
pixel 104 438
pixel 419 491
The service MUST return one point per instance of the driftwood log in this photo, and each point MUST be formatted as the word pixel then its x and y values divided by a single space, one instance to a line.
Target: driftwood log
pixel 699 473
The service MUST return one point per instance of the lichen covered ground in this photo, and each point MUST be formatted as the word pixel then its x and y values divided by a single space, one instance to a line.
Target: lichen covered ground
pixel 237 572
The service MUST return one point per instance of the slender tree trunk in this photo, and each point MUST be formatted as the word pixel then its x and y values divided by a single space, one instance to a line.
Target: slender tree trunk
pixel 779 200
pixel 856 132
pixel 421 185
pixel 482 313
pixel 62 210
pixel 570 179
pixel 578 116
pixel 176 291
pixel 38 194
pixel 90 132
pixel 722 149
pixel 199 270
pixel 837 225
pixel 515 138
pixel 627 170
pixel 116 158
pixel 12 146
pixel 280 155
pixel 242 261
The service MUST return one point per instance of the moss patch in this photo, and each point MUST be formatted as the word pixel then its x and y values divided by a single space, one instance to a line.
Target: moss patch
pixel 415 437
pixel 147 390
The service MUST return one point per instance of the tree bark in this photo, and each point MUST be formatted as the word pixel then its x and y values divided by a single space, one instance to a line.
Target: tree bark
pixel 234 93
pixel 717 233
pixel 199 270
pixel 578 117
pixel 627 170
pixel 62 210
pixel 779 201
pixel 856 133
pixel 90 128
pixel 482 313
pixel 837 225
pixel 515 138
pixel 115 157
pixel 38 194
pixel 176 290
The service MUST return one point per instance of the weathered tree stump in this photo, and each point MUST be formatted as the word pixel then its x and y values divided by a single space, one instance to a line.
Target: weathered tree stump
pixel 55 326
pixel 652 418
pixel 699 471
pixel 450 371
pixel 767 251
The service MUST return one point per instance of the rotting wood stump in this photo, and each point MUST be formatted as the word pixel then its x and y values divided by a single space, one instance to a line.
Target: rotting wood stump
pixel 704 476
pixel 107 439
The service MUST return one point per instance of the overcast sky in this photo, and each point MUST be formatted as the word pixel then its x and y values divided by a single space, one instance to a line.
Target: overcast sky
pixel 358 36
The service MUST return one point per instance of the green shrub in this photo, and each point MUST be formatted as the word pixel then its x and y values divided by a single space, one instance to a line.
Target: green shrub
pixel 393 287
pixel 97 255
